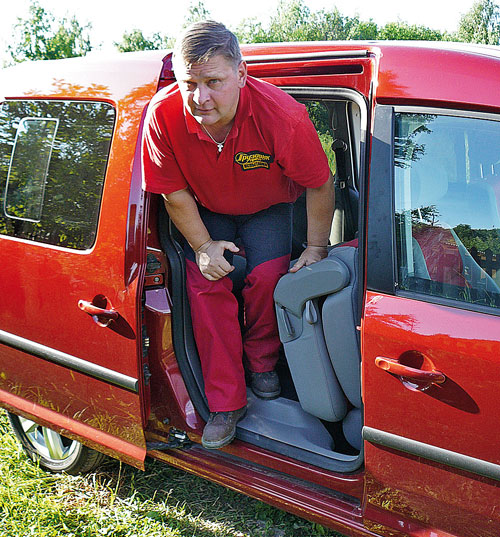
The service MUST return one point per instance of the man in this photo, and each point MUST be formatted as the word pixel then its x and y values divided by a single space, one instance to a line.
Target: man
pixel 230 154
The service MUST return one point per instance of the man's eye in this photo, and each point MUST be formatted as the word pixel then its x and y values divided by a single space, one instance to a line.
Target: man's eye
pixel 190 86
pixel 213 82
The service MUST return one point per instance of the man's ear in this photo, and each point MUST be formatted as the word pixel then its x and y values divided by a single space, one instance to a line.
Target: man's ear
pixel 242 74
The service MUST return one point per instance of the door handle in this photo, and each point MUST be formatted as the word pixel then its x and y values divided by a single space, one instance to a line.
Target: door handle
pixel 101 315
pixel 418 375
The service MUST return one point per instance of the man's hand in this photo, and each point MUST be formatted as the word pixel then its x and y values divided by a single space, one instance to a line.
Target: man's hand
pixel 211 261
pixel 310 255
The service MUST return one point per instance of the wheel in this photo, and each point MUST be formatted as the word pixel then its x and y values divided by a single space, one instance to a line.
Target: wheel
pixel 54 452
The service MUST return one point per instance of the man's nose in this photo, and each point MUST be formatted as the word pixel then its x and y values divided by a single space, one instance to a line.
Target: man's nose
pixel 201 95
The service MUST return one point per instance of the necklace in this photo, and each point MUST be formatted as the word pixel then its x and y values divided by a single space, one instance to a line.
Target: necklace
pixel 220 145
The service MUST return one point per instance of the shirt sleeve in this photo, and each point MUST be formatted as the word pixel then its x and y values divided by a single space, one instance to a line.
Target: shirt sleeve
pixel 301 155
pixel 160 171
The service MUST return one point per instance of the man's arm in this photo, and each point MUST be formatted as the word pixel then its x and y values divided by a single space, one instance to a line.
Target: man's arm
pixel 183 211
pixel 320 204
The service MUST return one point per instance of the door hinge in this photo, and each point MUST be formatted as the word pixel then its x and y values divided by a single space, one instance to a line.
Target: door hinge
pixel 177 439
pixel 145 341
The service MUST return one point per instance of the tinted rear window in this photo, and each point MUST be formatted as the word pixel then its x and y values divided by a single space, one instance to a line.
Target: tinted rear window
pixel 53 158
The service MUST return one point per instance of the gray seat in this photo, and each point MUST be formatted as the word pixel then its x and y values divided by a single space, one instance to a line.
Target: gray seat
pixel 309 332
pixel 301 332
pixel 317 316
pixel 340 316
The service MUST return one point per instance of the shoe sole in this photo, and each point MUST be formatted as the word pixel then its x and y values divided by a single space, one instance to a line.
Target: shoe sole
pixel 266 395
pixel 219 444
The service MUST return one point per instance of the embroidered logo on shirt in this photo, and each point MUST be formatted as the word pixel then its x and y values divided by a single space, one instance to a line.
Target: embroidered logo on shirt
pixel 250 160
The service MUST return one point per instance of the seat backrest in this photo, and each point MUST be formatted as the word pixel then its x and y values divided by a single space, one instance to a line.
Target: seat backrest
pixel 301 332
pixel 340 317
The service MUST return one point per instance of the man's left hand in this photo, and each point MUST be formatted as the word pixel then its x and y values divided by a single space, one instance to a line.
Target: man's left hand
pixel 310 255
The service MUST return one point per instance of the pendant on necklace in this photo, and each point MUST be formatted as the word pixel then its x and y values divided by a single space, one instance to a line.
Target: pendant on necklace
pixel 220 145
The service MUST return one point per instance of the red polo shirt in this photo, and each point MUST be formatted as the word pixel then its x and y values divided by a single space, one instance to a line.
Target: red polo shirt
pixel 271 153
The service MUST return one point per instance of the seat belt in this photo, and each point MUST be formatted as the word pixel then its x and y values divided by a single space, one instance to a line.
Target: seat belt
pixel 339 147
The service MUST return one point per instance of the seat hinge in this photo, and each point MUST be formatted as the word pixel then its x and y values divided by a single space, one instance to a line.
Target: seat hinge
pixel 177 439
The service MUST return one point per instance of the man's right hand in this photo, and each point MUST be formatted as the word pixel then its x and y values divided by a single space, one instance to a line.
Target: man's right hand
pixel 211 261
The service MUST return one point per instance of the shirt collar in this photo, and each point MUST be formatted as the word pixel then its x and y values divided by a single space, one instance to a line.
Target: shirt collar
pixel 243 111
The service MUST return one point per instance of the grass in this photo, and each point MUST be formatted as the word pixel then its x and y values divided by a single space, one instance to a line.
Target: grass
pixel 120 501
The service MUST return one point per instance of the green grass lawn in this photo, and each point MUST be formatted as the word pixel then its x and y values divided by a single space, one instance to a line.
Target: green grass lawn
pixel 121 501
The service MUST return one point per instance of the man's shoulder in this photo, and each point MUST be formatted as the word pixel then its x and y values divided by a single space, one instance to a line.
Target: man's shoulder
pixel 168 96
pixel 271 100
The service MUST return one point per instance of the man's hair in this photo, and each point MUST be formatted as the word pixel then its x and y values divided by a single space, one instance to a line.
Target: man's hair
pixel 203 40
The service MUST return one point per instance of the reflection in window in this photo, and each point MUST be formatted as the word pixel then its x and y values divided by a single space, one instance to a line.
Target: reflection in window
pixel 447 195
pixel 51 184
pixel 28 168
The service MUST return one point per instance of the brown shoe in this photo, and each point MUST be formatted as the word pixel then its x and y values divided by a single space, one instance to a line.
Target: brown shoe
pixel 221 428
pixel 265 385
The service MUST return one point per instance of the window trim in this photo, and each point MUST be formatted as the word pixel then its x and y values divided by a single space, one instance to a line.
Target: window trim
pixel 454 112
pixel 361 162
pixel 44 183
pixel 415 295
pixel 381 240
pixel 347 94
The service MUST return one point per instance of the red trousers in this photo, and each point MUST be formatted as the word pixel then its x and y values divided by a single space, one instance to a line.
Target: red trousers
pixel 223 345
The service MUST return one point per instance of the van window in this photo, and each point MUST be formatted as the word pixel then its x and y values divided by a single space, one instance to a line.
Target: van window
pixel 53 158
pixel 447 200
pixel 28 168
pixel 321 117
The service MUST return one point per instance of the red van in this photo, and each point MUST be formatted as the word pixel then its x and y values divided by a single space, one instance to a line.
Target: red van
pixel 387 424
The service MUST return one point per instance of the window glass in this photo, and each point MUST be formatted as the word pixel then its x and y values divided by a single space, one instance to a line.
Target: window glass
pixel 447 200
pixel 320 115
pixel 53 158
pixel 28 168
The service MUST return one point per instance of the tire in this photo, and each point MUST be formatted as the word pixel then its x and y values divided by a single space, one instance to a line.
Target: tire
pixel 52 451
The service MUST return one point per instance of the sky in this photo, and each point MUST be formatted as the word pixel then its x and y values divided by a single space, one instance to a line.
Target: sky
pixel 111 18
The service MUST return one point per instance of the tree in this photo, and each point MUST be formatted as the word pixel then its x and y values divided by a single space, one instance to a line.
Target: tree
pixel 363 30
pixel 197 12
pixel 135 40
pixel 294 21
pixel 402 31
pixel 42 37
pixel 481 24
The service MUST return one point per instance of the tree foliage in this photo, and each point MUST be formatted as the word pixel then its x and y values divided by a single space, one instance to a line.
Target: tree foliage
pixel 196 12
pixel 135 40
pixel 401 31
pixel 42 37
pixel 481 239
pixel 481 24
pixel 294 21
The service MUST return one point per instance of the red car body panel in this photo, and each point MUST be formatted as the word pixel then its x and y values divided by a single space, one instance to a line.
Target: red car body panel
pixel 396 493
pixel 456 415
pixel 42 285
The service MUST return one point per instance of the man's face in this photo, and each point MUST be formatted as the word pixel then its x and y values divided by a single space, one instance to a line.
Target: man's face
pixel 211 90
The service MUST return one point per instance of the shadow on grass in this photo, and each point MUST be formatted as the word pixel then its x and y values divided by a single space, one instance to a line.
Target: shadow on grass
pixel 161 484
pixel 121 501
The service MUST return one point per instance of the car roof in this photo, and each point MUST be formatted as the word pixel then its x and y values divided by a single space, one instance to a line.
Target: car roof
pixel 433 73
